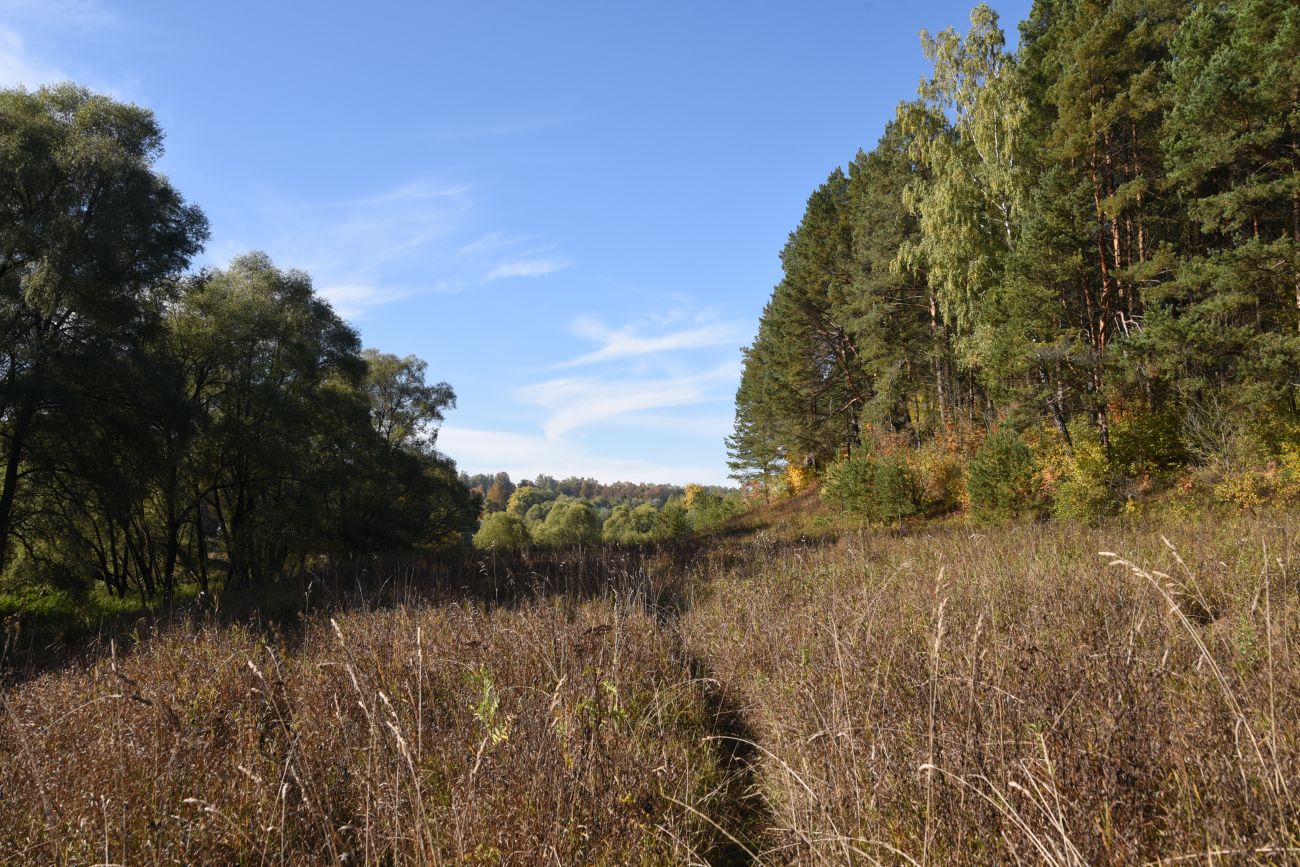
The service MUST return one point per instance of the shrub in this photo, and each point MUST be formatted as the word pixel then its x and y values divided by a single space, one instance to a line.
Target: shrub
pixel 941 477
pixel 524 498
pixel 797 478
pixel 630 526
pixel 537 512
pixel 1084 491
pixel 1147 442
pixel 881 490
pixel 1002 480
pixel 848 484
pixel 894 493
pixel 672 521
pixel 709 510
pixel 501 531
pixel 1288 473
pixel 570 522
pixel 1245 488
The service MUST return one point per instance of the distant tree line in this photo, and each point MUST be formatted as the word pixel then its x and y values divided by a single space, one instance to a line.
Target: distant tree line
pixel 497 488
pixel 1091 244
pixel 160 427
pixel 583 511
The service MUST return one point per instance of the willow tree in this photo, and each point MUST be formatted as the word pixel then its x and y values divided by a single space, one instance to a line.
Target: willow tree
pixel 279 382
pixel 91 239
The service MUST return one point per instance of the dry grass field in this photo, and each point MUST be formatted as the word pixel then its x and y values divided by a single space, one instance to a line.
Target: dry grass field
pixel 546 734
pixel 1012 696
pixel 939 696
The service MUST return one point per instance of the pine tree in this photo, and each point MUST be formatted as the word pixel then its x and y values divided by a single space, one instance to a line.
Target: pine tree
pixel 1228 324
pixel 893 314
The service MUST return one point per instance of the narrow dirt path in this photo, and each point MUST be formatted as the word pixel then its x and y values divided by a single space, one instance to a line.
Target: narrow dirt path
pixel 739 807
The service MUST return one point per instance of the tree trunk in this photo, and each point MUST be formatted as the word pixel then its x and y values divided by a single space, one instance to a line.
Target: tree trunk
pixel 202 539
pixel 1295 253
pixel 9 493
pixel 1053 401
pixel 936 338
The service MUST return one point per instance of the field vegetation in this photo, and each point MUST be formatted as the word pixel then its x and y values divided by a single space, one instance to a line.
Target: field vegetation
pixel 1012 576
pixel 793 689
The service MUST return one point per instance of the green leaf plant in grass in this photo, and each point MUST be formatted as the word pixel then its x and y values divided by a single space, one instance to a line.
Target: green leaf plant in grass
pixel 487 710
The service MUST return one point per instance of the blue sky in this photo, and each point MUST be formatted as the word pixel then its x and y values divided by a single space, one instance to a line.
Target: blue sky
pixel 572 211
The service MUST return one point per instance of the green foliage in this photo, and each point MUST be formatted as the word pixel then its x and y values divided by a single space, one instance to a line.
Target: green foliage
pixel 673 521
pixel 157 428
pixel 1227 324
pixel 487 707
pixel 570 522
pixel 941 477
pixel 92 240
pixel 707 510
pixel 1084 491
pixel 502 532
pixel 537 512
pixel 881 489
pixel 965 129
pixel 1102 226
pixel 848 484
pixel 894 493
pixel 525 497
pixel 404 409
pixel 630 525
pixel 1148 442
pixel 1003 481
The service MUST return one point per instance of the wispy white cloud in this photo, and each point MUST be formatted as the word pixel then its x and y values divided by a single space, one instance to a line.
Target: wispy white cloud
pixel 489 242
pixel 648 373
pixel 352 300
pixel 364 236
pixel 366 251
pixel 526 268
pixel 21 61
pixel 524 456
pixel 420 190
pixel 630 341
pixel 61 13
pixel 520 125
pixel 370 250
pixel 578 402
pixel 19 67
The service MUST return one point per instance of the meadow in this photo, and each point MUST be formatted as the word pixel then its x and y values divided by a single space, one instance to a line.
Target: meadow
pixel 778 692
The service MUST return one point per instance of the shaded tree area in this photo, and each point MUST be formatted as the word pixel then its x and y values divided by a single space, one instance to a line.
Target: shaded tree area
pixel 1092 242
pixel 159 427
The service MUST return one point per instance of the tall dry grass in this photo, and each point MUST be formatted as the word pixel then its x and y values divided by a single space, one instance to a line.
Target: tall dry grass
pixel 943 696
pixel 1014 696
pixel 553 733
